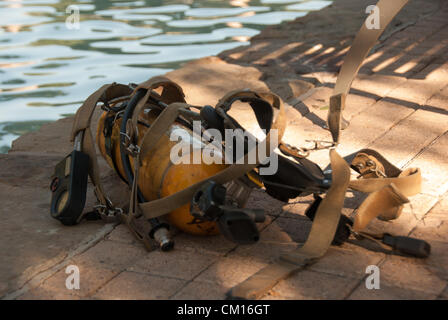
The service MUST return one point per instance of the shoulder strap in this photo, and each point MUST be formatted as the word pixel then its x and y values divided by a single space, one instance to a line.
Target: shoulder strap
pixel 82 122
pixel 363 43
pixel 171 93
pixel 104 94
pixel 262 103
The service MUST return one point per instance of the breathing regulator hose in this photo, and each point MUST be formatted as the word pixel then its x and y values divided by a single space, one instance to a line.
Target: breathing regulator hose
pixel 159 231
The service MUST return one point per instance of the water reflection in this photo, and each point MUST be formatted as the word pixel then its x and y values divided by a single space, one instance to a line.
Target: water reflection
pixel 47 69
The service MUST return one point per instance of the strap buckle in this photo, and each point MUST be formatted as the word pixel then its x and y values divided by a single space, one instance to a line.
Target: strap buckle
pixel 105 106
pixel 322 144
pixel 108 214
pixel 372 167
pixel 294 151
pixel 106 210
pixel 303 152
pixel 131 148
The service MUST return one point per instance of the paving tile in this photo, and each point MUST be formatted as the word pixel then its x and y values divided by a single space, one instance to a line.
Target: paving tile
pixel 138 286
pixel 121 233
pixel 439 101
pixel 261 200
pixel 30 239
pixel 91 278
pixel 444 295
pixel 43 294
pixel 349 261
pixel 111 255
pixel 401 226
pixel 419 205
pixel 434 166
pixel 313 285
pixel 411 135
pixel 266 251
pixel 217 245
pixel 274 240
pixel 372 123
pixel 297 229
pixel 230 271
pixel 410 273
pixel 201 291
pixel 389 293
pixel 176 263
pixel 437 262
pixel 416 90
pixel 434 226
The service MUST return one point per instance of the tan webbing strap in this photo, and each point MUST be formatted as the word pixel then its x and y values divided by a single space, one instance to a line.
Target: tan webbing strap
pixel 159 127
pixel 106 93
pixel 409 183
pixel 130 218
pixel 388 199
pixel 363 43
pixel 152 136
pixel 337 103
pixel 82 121
pixel 171 93
pixel 88 147
pixel 259 102
pixel 320 237
pixel 227 100
pixel 388 194
pixel 164 205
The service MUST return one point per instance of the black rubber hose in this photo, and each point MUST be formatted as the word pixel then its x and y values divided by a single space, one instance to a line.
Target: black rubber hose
pixel 124 156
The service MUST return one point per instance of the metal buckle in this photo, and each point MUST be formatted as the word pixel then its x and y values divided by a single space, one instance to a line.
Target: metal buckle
pixel 133 149
pixel 105 106
pixel 373 168
pixel 297 152
pixel 108 214
pixel 302 152
pixel 118 114
pixel 321 145
pixel 106 211
pixel 128 138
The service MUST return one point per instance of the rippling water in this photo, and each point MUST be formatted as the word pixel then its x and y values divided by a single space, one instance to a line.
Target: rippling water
pixel 47 68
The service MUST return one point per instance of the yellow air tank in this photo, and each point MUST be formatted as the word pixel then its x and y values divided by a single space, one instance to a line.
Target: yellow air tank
pixel 158 176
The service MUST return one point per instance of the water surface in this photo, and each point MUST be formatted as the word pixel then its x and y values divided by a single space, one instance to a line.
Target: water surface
pixel 48 68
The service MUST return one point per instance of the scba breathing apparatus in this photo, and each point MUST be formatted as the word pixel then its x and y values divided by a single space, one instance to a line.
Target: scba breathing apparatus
pixel 133 135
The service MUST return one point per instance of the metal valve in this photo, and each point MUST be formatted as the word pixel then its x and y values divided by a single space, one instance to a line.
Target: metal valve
pixel 236 224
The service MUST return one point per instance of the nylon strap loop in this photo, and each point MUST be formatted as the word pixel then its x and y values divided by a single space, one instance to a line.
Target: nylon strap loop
pixel 84 114
pixel 388 194
pixel 83 120
pixel 171 93
pixel 363 43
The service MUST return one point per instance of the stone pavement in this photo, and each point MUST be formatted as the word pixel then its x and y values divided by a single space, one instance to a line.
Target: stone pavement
pixel 398 106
